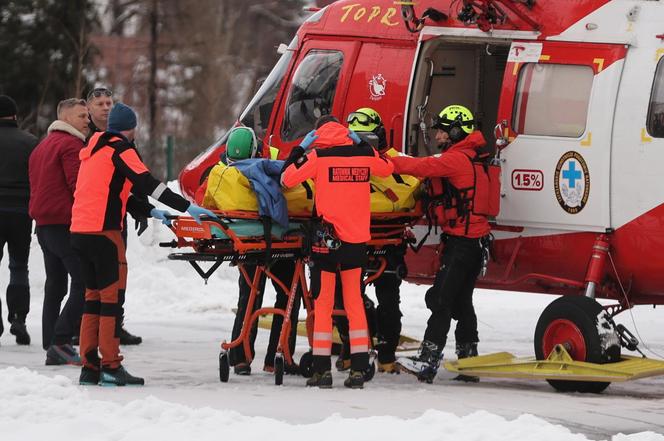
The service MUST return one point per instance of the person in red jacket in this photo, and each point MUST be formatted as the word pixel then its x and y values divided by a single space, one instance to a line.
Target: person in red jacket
pixel 53 170
pixel 111 172
pixel 341 172
pixel 464 235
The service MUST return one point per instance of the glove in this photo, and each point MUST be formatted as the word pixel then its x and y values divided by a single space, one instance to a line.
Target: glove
pixel 196 212
pixel 354 136
pixel 309 140
pixel 161 215
pixel 141 224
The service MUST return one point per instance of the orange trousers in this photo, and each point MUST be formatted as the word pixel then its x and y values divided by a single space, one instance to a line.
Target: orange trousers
pixel 324 304
pixel 104 268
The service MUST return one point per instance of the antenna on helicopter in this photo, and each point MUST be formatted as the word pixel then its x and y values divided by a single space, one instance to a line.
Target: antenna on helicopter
pixel 410 19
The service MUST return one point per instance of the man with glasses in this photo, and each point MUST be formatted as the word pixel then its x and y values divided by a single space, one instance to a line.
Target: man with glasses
pixel 100 102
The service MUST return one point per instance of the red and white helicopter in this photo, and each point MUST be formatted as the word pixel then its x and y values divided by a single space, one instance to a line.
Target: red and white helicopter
pixel 573 94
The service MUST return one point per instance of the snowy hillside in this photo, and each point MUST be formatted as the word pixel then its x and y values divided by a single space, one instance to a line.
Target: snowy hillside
pixel 182 321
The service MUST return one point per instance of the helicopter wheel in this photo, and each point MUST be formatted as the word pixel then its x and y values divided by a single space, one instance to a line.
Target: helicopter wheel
pixel 572 322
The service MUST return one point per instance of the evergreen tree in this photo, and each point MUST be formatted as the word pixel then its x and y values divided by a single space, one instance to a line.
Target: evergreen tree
pixel 45 48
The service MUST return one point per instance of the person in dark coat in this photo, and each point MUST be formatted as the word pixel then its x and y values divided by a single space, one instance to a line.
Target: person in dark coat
pixel 15 223
pixel 53 171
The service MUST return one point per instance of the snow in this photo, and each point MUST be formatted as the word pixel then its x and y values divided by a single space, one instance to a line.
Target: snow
pixel 182 321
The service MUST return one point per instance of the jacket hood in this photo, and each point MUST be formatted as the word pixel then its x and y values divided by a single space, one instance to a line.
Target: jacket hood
pixel 473 142
pixel 86 152
pixel 332 134
pixel 62 126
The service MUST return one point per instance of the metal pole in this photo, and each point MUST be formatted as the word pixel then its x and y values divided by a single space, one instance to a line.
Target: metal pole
pixel 169 158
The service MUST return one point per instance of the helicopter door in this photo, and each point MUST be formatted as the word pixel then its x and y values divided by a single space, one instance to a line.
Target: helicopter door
pixel 317 86
pixel 557 106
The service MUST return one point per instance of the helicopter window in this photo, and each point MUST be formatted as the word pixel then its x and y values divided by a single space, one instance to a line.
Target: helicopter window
pixel 257 113
pixel 552 100
pixel 655 123
pixel 312 92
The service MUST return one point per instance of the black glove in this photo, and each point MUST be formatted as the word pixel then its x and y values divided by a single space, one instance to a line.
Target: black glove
pixel 141 224
pixel 296 153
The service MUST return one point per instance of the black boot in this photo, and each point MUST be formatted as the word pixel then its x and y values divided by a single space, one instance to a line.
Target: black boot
pixel 89 376
pixel 119 377
pixel 321 379
pixel 20 331
pixel 425 364
pixel 128 339
pixel 355 380
pixel 465 350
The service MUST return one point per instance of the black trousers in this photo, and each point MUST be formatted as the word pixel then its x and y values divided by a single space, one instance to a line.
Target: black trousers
pixel 451 295
pixel 15 231
pixel 284 270
pixel 61 264
pixel 388 314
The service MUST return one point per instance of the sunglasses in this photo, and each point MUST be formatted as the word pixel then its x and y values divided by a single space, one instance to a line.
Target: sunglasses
pixel 100 91
pixel 361 118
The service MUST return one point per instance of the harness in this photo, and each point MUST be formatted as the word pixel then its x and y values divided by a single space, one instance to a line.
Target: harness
pixel 445 204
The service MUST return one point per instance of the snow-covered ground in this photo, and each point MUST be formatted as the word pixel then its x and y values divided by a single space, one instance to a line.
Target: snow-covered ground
pixel 182 321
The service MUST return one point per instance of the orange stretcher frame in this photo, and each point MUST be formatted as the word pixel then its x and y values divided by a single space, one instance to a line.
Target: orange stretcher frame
pixel 387 229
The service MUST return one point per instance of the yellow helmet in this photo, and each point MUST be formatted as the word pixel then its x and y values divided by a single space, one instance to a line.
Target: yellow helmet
pixel 365 119
pixel 455 115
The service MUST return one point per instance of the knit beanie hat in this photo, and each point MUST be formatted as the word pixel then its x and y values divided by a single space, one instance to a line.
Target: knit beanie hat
pixel 121 118
pixel 7 106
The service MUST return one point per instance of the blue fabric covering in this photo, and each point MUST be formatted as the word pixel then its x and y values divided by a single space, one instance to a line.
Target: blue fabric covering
pixel 264 174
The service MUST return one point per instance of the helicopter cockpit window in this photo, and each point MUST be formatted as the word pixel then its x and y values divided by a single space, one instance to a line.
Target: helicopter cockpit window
pixel 655 123
pixel 312 92
pixel 552 100
pixel 257 113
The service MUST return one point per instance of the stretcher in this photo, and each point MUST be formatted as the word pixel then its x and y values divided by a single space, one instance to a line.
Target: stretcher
pixel 243 238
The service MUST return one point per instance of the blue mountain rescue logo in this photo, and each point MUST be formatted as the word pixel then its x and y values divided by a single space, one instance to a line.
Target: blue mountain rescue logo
pixel 572 182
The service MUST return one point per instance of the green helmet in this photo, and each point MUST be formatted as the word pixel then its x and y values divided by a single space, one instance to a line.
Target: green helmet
pixel 455 116
pixel 365 119
pixel 241 144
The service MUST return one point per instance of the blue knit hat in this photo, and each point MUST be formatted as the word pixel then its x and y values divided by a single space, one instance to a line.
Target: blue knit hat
pixel 121 118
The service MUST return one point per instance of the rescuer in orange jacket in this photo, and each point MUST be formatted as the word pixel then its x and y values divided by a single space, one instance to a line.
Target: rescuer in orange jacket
pixel 465 238
pixel 110 171
pixel 341 172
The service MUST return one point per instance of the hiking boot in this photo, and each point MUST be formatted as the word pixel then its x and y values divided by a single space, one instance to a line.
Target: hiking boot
pixel 342 364
pixel 321 379
pixel 425 364
pixel 355 380
pixel 119 377
pixel 62 354
pixel 242 369
pixel 20 331
pixel 388 368
pixel 128 339
pixel 89 377
pixel 465 350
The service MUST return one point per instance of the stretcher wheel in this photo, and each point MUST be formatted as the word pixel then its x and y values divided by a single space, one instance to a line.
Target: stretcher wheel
pixel 572 322
pixel 224 367
pixel 370 371
pixel 307 364
pixel 278 369
pixel 401 272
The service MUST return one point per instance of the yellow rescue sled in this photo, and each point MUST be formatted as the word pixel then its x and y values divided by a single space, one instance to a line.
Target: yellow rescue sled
pixel 559 369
